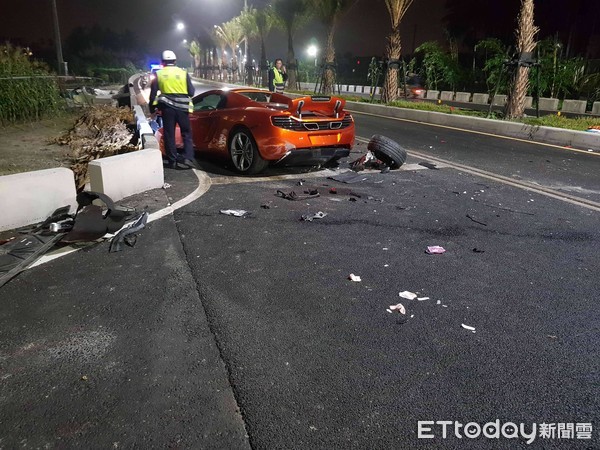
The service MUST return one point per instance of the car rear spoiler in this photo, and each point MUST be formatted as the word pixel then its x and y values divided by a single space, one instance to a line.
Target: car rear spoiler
pixel 328 106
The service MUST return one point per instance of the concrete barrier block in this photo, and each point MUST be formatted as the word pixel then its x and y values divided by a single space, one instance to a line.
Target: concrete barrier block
pixel 464 97
pixel 149 141
pixel 574 106
pixel 499 100
pixel 432 95
pixel 528 102
pixel 481 99
pixel 131 173
pixel 447 95
pixel 31 197
pixel 596 108
pixel 549 104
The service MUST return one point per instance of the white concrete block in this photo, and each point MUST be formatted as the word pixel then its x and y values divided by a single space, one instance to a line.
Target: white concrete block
pixel 31 197
pixel 131 173
pixel 596 108
pixel 549 104
pixel 432 95
pixel 528 102
pixel 446 95
pixel 481 99
pixel 574 106
pixel 499 100
pixel 464 97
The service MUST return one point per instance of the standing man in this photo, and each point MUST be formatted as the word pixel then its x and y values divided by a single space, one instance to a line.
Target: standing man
pixel 277 77
pixel 175 104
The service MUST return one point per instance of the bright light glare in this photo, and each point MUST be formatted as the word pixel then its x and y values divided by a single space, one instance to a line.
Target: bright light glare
pixel 312 51
pixel 180 26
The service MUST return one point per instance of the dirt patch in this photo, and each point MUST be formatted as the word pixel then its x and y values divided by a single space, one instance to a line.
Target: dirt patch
pixel 26 147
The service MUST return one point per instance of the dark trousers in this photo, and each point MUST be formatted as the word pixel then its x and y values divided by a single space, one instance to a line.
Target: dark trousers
pixel 171 117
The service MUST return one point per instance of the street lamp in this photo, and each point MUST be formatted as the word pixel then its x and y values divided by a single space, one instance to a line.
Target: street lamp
pixel 313 51
pixel 180 26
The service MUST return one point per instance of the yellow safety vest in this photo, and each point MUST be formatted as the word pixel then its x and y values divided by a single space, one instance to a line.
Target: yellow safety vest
pixel 172 84
pixel 278 80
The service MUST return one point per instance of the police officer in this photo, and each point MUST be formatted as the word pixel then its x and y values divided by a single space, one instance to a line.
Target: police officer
pixel 175 103
pixel 277 77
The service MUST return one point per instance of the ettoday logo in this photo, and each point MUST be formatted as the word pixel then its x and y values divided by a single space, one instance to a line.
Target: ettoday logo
pixel 429 429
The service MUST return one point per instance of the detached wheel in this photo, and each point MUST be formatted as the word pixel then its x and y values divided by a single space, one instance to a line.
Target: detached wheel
pixel 387 151
pixel 244 153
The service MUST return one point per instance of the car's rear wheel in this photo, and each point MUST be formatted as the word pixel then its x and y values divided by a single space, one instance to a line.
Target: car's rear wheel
pixel 244 153
pixel 388 151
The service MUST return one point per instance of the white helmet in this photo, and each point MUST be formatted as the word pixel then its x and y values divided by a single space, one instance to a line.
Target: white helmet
pixel 168 56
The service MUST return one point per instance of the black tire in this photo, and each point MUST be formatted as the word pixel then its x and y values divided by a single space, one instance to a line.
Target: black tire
pixel 387 151
pixel 244 154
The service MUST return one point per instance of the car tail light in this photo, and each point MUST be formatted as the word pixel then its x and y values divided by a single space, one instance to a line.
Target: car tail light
pixel 289 123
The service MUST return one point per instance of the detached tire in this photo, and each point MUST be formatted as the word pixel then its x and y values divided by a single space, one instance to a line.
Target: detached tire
pixel 387 151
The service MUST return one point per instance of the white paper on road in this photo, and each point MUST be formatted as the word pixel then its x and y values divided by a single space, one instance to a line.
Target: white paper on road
pixel 355 278
pixel 467 327
pixel 408 295
pixel 234 212
pixel 399 307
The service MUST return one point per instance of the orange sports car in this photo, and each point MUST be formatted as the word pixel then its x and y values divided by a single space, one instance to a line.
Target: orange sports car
pixel 253 128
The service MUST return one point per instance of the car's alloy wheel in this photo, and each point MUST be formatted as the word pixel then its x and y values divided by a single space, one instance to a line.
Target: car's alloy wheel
pixel 244 153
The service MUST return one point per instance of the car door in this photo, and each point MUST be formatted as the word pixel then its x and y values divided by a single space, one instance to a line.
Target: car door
pixel 204 118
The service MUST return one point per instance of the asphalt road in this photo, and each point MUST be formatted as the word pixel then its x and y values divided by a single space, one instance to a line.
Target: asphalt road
pixel 209 314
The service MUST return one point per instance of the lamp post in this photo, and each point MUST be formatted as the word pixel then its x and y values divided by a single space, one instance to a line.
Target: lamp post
pixel 58 43
pixel 180 26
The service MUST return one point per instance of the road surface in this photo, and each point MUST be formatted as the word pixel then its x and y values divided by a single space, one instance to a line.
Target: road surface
pixel 223 332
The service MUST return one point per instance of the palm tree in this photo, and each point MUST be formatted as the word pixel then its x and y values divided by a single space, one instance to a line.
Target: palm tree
pixel 264 19
pixel 330 11
pixel 232 35
pixel 250 29
pixel 526 44
pixel 221 43
pixel 291 15
pixel 196 53
pixel 393 52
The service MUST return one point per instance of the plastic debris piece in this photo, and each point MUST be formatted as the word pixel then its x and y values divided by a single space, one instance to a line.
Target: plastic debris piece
pixel 467 327
pixel 166 186
pixel 408 295
pixel 295 197
pixel 310 218
pixel 389 310
pixel 477 250
pixel 399 307
pixel 435 250
pixel 421 299
pixel 333 191
pixel 439 302
pixel 354 278
pixel 234 212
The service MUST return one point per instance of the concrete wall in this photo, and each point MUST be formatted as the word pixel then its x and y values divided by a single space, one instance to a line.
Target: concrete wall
pixel 464 97
pixel 432 95
pixel 31 197
pixel 481 99
pixel 446 95
pixel 499 100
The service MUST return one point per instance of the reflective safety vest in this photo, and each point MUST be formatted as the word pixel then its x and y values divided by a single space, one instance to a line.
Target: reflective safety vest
pixel 278 82
pixel 172 84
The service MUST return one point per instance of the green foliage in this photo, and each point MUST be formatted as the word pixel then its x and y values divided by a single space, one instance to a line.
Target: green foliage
pixel 495 53
pixel 439 66
pixel 30 98
pixel 556 121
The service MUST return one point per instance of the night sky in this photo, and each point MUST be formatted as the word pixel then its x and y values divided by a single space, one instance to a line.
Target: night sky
pixel 362 31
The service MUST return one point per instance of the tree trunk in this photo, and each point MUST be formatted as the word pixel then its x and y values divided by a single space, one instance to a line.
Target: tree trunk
pixel 264 69
pixel 291 63
pixel 526 32
pixel 393 53
pixel 329 78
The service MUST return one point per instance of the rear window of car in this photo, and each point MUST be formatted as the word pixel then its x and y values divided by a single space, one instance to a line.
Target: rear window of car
pixel 260 97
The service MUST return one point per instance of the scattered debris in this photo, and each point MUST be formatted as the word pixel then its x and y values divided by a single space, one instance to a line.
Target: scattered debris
pixel 127 235
pixel 429 165
pixel 312 192
pixel 476 221
pixel 552 336
pixel 166 186
pixel 408 295
pixel 399 307
pixel 310 218
pixel 266 205
pixel 476 250
pixel 333 191
pixel 439 302
pixel 84 378
pixel 235 212
pixel 352 199
pixel 435 250
pixel 301 182
pixel 295 197
pixel 354 278
pixel 467 327
pixel 421 299
pixel 348 177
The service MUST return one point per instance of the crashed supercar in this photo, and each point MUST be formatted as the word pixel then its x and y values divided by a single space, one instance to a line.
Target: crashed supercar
pixel 254 128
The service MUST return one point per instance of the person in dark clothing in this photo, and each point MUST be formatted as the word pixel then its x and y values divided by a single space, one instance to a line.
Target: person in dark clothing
pixel 277 77
pixel 175 104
